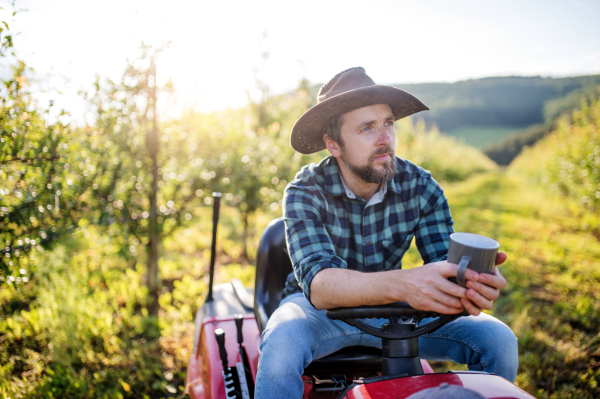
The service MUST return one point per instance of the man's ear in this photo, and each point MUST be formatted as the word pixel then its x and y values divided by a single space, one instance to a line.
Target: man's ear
pixel 332 146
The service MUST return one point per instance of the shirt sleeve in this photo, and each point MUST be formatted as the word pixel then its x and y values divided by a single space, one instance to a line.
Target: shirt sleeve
pixel 435 224
pixel 309 244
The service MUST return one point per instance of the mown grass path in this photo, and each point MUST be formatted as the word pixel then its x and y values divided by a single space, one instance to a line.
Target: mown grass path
pixel 553 272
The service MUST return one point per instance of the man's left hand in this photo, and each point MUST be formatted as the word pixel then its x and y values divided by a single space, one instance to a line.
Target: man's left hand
pixel 483 290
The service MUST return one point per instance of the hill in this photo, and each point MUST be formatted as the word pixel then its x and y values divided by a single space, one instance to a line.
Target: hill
pixel 500 101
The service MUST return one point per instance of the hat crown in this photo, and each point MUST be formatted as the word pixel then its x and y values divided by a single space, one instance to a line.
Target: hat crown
pixel 350 79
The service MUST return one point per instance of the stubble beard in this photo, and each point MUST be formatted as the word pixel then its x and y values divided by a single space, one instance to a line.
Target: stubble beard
pixel 367 172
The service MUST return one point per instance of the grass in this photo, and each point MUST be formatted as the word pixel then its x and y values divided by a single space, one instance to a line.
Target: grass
pixel 79 328
pixel 480 136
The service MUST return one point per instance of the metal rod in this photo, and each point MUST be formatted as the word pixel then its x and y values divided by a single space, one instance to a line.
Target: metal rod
pixel 213 249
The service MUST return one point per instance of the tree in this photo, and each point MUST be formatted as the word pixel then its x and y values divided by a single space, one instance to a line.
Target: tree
pixel 146 175
pixel 248 151
pixel 40 198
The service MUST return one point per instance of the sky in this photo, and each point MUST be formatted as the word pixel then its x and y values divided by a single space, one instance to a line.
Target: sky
pixel 216 48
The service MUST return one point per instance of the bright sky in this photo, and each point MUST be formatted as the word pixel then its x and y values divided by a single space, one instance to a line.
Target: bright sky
pixel 216 45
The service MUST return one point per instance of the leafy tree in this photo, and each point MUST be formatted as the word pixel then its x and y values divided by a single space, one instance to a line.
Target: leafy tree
pixel 6 40
pixel 146 176
pixel 39 200
pixel 248 152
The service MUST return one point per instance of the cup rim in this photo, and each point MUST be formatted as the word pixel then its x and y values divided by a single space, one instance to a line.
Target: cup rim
pixel 488 243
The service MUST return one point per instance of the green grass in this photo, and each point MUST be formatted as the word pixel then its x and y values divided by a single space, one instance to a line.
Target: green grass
pixel 79 328
pixel 481 135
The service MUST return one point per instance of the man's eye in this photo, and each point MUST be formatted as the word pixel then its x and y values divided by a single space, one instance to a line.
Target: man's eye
pixel 367 128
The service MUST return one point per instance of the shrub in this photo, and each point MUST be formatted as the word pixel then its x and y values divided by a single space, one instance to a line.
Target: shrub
pixel 568 160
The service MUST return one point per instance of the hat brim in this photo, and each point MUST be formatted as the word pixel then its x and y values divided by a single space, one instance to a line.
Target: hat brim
pixel 307 133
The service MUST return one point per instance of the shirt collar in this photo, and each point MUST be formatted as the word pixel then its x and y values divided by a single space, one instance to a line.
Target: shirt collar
pixel 375 199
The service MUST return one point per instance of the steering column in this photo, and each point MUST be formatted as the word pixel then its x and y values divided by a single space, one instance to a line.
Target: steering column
pixel 400 344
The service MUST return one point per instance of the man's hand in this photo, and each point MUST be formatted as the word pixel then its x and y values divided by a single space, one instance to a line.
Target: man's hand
pixel 427 288
pixel 483 288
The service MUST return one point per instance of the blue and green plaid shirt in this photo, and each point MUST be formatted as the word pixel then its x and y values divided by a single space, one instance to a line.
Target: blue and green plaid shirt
pixel 327 225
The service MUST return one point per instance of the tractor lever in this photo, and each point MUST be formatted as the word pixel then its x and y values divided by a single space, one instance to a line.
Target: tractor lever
pixel 239 322
pixel 220 337
pixel 231 379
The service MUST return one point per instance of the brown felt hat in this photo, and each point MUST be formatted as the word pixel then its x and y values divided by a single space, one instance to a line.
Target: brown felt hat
pixel 348 90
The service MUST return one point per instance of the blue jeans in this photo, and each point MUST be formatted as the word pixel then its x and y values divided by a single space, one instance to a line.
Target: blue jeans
pixel 297 333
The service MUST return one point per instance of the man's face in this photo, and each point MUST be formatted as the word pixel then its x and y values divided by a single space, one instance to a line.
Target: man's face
pixel 368 140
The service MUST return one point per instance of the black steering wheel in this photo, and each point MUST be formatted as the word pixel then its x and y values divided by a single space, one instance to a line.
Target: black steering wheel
pixel 392 311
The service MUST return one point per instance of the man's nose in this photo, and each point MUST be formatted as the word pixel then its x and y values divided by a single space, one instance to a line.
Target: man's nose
pixel 385 136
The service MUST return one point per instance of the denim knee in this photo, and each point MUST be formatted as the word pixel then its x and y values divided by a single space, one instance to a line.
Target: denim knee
pixel 287 343
pixel 281 365
pixel 502 351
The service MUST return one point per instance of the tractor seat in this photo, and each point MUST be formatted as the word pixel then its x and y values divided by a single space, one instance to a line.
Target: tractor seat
pixel 273 265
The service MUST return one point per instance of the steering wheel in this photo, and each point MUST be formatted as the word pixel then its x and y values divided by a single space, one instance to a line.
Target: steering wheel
pixel 391 311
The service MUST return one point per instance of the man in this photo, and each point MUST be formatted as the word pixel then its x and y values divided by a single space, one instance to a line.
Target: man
pixel 349 221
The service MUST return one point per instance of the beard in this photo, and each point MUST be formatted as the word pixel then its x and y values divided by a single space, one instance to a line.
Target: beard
pixel 367 172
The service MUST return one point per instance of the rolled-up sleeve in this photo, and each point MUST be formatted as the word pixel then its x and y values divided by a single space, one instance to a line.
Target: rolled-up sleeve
pixel 432 234
pixel 309 243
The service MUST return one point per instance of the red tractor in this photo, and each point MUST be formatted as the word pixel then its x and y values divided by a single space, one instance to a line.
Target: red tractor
pixel 224 360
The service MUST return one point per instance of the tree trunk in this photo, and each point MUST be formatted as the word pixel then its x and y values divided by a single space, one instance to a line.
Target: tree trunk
pixel 154 237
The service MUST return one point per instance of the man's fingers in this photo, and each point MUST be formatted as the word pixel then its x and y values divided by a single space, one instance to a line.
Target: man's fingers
pixel 479 300
pixel 447 300
pixel 486 291
pixel 493 280
pixel 482 289
pixel 452 289
pixel 470 307
pixel 450 269
pixel 438 307
pixel 501 258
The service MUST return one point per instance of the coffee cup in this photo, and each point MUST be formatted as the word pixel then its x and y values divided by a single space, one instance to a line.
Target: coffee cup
pixel 472 251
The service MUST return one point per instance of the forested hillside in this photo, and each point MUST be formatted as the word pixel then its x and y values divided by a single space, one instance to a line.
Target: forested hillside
pixel 513 100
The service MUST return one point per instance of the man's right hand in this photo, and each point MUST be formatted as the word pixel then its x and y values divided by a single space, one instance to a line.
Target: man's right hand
pixel 427 287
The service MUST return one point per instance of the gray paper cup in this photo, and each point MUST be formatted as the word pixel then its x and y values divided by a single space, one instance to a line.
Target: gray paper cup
pixel 472 251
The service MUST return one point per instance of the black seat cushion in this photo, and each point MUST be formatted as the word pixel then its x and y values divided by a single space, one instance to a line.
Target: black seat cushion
pixel 273 265
pixel 353 361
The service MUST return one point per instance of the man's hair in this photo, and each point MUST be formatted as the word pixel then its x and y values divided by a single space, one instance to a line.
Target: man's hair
pixel 334 129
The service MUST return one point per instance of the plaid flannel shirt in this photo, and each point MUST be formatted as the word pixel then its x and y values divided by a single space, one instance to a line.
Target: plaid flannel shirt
pixel 327 225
